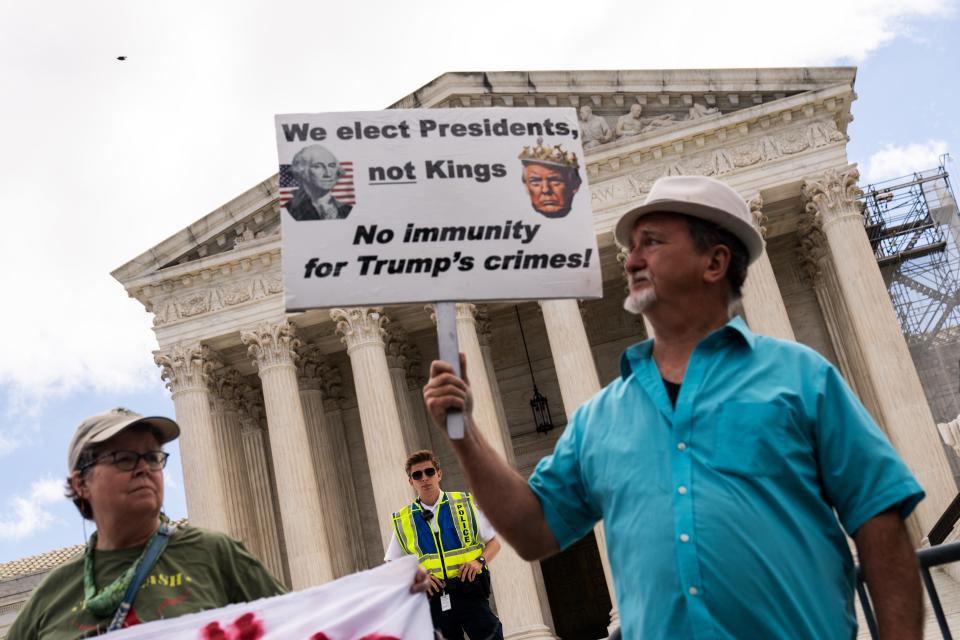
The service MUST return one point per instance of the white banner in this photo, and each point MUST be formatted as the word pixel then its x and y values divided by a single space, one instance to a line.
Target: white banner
pixel 422 205
pixel 371 605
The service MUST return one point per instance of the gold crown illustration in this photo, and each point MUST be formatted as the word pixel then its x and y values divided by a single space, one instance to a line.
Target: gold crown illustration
pixel 554 155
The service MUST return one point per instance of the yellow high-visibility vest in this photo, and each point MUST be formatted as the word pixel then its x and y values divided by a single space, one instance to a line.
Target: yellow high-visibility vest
pixel 455 542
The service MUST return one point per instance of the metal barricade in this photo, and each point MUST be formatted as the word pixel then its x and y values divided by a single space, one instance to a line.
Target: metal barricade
pixel 927 558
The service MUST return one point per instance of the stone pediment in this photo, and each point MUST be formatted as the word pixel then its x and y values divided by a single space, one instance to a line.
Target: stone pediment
pixel 242 223
pixel 665 100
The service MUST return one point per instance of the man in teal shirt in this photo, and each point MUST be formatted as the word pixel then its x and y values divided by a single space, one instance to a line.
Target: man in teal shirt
pixel 726 466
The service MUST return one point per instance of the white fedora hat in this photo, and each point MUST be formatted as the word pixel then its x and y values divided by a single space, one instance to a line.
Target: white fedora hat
pixel 700 197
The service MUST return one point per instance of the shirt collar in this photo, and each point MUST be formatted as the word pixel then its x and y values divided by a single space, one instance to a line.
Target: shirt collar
pixel 736 329
pixel 432 507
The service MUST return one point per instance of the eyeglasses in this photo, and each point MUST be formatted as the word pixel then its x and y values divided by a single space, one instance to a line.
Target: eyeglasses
pixel 128 460
pixel 419 473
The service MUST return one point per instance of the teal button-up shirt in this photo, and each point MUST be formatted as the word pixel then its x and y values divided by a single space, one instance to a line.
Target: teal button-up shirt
pixel 719 512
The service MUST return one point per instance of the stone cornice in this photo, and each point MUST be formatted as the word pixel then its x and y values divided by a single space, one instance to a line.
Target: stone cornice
pixel 834 100
pixel 518 86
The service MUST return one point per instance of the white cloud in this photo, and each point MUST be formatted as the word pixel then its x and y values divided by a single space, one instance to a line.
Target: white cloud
pixel 169 482
pixel 894 161
pixel 29 514
pixel 103 159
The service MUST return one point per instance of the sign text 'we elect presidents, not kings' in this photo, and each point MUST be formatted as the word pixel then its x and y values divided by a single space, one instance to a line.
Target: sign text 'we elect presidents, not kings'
pixel 421 205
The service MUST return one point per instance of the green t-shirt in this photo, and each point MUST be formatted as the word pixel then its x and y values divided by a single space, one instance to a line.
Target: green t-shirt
pixel 198 570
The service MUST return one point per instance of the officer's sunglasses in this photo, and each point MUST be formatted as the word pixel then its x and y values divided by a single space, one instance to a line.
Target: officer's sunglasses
pixel 419 473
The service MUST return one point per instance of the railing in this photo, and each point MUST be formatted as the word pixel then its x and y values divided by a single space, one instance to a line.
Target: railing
pixel 927 558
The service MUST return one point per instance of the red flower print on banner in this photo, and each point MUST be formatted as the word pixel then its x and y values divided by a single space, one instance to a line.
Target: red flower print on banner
pixel 378 636
pixel 319 635
pixel 246 627
pixel 213 632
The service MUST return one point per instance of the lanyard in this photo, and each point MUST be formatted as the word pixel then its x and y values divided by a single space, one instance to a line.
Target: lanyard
pixel 157 545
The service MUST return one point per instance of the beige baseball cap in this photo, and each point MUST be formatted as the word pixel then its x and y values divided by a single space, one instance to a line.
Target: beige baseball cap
pixel 699 197
pixel 104 426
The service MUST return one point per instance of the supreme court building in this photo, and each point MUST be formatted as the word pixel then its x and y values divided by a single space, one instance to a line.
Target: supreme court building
pixel 295 427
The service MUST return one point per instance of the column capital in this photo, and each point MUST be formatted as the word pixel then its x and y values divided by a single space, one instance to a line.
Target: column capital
pixel 396 345
pixel 466 311
pixel 271 344
pixel 360 326
pixel 756 210
pixel 250 407
pixel 813 247
pixel 310 364
pixel 224 385
pixel 185 367
pixel 833 195
pixel 484 328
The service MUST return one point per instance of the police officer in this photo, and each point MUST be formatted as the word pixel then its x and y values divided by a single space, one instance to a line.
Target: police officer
pixel 455 544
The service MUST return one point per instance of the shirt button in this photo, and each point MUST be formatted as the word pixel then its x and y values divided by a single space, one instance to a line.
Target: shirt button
pixel 682 490
pixel 692 591
pixel 684 537
pixel 681 446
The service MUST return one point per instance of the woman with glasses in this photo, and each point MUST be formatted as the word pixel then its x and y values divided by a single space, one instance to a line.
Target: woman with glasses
pixel 137 565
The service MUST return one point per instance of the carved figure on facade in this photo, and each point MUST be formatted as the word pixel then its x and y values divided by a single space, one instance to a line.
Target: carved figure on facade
pixel 768 149
pixel 630 123
pixel 594 130
pixel 823 132
pixel 756 210
pixel 169 310
pixel 698 111
pixel 271 344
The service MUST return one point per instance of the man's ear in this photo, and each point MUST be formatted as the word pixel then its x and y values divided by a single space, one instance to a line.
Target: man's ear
pixel 718 264
pixel 79 484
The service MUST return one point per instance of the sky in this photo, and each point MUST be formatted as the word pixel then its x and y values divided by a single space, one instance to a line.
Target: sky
pixel 102 159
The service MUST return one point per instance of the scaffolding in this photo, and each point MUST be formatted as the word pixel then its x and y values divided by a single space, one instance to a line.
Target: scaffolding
pixel 914 228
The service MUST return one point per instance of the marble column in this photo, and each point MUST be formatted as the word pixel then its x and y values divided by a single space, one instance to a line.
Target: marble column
pixel 832 199
pixel 485 336
pixel 818 270
pixel 331 460
pixel 396 347
pixel 577 375
pixel 514 582
pixel 361 329
pixel 762 303
pixel 224 389
pixel 186 369
pixel 255 452
pixel 271 346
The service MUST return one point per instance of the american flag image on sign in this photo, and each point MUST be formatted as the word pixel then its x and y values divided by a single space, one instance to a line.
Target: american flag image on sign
pixel 343 191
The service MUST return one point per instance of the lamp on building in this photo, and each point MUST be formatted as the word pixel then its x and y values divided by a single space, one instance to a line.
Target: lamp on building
pixel 538 403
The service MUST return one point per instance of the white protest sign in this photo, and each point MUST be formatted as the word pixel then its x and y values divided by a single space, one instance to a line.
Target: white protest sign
pixel 421 205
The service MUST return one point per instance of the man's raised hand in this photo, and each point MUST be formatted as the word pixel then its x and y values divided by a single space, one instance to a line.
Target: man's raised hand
pixel 445 391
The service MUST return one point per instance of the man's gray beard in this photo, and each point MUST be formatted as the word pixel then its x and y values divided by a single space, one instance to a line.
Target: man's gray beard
pixel 637 303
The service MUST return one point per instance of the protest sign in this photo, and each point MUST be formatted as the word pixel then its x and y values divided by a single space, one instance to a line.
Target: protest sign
pixel 418 205
pixel 371 605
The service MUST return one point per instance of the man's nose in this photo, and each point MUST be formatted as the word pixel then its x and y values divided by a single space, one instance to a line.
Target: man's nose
pixel 635 261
